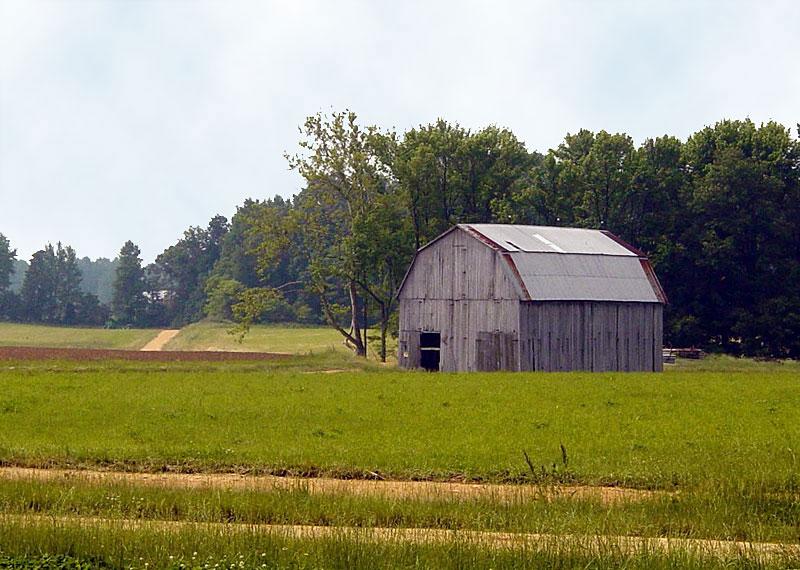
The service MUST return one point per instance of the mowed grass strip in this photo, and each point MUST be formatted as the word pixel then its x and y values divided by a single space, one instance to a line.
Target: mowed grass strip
pixel 14 334
pixel 722 513
pixel 287 339
pixel 644 430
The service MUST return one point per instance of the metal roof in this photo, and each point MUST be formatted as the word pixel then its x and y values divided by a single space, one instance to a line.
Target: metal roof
pixel 545 239
pixel 581 277
pixel 561 264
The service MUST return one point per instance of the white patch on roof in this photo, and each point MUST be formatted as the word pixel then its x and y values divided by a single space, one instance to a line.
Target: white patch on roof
pixel 543 239
pixel 548 243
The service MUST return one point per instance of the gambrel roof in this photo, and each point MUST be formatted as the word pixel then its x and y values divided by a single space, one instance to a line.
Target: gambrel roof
pixel 569 264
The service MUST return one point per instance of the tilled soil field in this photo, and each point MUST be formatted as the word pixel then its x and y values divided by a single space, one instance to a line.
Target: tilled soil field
pixel 86 354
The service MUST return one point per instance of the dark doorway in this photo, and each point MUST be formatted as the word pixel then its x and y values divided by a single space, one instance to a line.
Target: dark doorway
pixel 429 350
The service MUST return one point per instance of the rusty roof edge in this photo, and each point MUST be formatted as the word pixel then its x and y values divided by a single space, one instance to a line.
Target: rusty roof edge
pixel 480 237
pixel 526 295
pixel 653 279
pixel 623 243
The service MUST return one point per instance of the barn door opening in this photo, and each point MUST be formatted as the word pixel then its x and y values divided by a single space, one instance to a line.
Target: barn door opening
pixel 430 350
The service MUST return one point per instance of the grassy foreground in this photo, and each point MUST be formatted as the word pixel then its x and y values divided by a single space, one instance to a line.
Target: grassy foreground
pixel 31 544
pixel 717 437
pixel 15 334
pixel 725 513
pixel 648 430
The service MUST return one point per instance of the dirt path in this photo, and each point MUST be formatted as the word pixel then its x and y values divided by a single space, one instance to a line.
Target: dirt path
pixel 161 339
pixel 591 544
pixel 428 490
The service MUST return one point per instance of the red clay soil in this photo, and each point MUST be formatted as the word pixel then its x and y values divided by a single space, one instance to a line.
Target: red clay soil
pixel 81 354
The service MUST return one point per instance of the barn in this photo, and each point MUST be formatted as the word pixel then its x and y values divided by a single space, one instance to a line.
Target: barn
pixel 485 297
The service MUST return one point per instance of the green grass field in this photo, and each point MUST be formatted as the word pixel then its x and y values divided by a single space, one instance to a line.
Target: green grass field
pixel 14 334
pixel 261 338
pixel 646 430
pixel 199 336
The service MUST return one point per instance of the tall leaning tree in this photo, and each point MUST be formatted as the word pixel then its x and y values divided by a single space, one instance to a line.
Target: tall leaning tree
pixel 349 224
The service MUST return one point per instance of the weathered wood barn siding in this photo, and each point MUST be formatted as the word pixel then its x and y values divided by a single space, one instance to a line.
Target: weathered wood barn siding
pixel 590 335
pixel 460 288
pixel 593 304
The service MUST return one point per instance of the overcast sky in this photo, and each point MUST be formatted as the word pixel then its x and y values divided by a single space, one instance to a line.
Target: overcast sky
pixel 134 119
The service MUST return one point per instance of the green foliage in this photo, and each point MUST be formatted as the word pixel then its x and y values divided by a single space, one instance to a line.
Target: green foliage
pixel 180 272
pixel 348 223
pixel 450 175
pixel 9 301
pixel 18 275
pixel 252 305
pixel 51 292
pixel 97 277
pixel 7 258
pixel 221 294
pixel 129 304
pixel 237 260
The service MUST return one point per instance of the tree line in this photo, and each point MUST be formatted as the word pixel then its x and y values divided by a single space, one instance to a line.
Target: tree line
pixel 717 214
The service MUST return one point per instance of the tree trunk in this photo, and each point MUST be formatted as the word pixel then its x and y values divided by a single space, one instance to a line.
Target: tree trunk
pixel 384 326
pixel 354 325
pixel 366 325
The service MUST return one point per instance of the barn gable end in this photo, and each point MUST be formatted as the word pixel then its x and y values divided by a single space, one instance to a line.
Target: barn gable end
pixel 457 265
pixel 460 287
